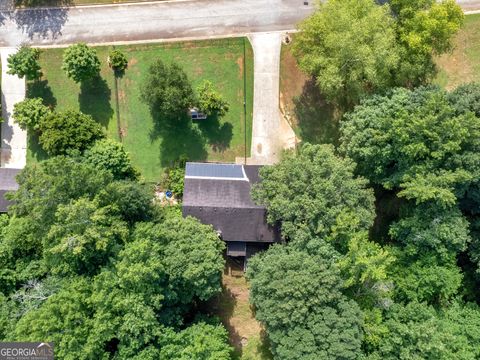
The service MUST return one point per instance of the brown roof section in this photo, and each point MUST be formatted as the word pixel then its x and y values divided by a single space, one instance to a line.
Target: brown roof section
pixel 223 200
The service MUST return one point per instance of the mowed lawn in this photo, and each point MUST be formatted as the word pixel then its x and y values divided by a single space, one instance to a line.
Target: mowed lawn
pixel 151 147
pixel 463 63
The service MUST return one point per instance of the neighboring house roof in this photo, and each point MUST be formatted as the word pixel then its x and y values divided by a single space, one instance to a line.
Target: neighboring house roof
pixel 219 194
pixel 7 183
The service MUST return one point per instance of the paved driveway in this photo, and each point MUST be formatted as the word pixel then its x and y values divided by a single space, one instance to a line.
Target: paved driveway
pixel 150 21
pixel 270 132
pixel 14 139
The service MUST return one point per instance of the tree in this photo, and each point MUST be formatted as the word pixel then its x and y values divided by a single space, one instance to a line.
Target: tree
pixel 29 113
pixel 466 98
pixel 110 155
pixel 200 341
pixel 167 90
pixel 117 61
pixel 424 29
pixel 349 47
pixel 179 254
pixel 413 141
pixel 24 63
pixel 130 200
pixel 315 190
pixel 210 101
pixel 80 62
pixel 417 331
pixel 63 132
pixel 83 238
pixel 425 278
pixel 298 298
pixel 365 267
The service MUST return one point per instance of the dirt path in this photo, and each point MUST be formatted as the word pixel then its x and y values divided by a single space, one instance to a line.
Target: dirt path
pixel 14 139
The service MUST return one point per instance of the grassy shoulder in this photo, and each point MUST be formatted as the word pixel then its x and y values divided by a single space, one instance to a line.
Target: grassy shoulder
pixel 312 118
pixel 462 65
pixel 152 149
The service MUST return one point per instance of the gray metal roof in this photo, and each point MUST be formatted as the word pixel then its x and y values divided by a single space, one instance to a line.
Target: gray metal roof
pixel 226 204
pixel 211 170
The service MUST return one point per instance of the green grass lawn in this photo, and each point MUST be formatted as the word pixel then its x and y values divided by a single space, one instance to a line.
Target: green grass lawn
pixel 151 147
pixel 462 65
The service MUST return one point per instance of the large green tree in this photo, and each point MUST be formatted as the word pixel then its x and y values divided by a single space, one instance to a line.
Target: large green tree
pixel 63 132
pixel 29 113
pixel 349 47
pixel 415 142
pixel 167 90
pixel 24 63
pixel 110 155
pixel 298 298
pixel 80 62
pixel 316 191
pixel 425 28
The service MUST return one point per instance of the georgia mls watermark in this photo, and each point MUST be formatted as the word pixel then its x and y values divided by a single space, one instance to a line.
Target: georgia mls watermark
pixel 26 351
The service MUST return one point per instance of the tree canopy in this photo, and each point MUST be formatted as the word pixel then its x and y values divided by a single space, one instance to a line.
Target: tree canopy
pixel 24 63
pixel 80 62
pixel 63 132
pixel 349 47
pixel 167 90
pixel 29 113
pixel 93 264
pixel 298 297
pixel 414 141
pixel 316 191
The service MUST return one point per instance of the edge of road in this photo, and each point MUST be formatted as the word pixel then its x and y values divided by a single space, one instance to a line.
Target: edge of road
pixel 83 6
pixel 178 39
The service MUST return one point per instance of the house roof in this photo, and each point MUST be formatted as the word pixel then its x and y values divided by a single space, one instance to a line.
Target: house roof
pixel 219 194
pixel 7 183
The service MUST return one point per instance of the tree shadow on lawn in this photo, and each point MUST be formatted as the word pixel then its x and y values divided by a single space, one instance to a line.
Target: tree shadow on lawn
pixel 180 138
pixel 317 120
pixel 218 135
pixel 42 90
pixel 35 148
pixel 94 99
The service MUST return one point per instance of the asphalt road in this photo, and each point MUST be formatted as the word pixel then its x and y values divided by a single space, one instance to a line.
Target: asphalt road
pixel 149 21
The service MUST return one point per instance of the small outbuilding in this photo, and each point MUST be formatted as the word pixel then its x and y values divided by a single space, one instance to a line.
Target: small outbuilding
pixel 8 183
pixel 219 195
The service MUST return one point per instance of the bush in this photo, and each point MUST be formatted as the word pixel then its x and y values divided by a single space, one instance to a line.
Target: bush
pixel 24 63
pixel 80 62
pixel 175 180
pixel 117 61
pixel 62 132
pixel 110 155
pixel 210 101
pixel 29 113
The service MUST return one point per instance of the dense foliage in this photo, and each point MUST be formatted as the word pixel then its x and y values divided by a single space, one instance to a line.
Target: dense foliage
pixel 29 113
pixel 80 62
pixel 210 101
pixel 90 262
pixel 24 63
pixel 110 155
pixel 167 90
pixel 117 61
pixel 411 281
pixel 357 47
pixel 62 132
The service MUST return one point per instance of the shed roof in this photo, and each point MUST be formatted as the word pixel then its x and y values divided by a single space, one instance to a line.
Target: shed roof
pixel 220 196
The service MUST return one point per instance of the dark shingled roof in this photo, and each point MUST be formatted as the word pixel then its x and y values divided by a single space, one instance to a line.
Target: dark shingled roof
pixel 7 183
pixel 226 203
